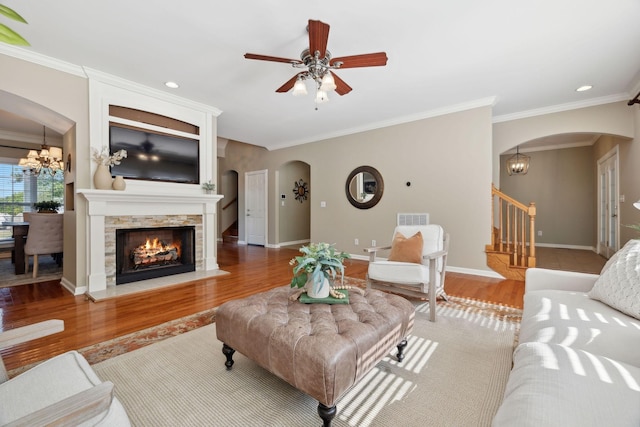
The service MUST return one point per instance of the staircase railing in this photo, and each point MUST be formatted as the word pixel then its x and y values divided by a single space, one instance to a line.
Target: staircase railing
pixel 232 201
pixel 513 231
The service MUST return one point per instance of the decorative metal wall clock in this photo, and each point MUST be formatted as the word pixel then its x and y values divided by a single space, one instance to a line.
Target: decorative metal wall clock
pixel 300 190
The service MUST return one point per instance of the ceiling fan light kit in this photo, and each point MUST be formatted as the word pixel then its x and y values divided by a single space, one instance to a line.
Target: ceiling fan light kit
pixel 318 64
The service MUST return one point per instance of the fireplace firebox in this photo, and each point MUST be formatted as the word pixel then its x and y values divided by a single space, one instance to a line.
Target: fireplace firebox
pixel 148 253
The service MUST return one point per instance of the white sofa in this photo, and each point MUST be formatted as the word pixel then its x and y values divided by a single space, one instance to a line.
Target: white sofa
pixel 577 362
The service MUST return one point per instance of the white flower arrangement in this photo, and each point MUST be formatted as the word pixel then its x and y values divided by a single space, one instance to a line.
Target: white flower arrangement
pixel 104 158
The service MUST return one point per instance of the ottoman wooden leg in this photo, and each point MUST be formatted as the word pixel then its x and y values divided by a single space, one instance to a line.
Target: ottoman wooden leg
pixel 401 347
pixel 228 351
pixel 326 413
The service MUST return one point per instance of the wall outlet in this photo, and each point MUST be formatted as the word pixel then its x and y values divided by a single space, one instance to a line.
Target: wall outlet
pixel 356 242
pixel 539 232
pixel 373 243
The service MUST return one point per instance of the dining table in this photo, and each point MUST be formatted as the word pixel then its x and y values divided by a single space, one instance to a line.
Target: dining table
pixel 19 234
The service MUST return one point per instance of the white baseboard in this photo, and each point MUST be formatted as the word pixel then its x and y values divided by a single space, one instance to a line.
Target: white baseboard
pixel 291 243
pixel 361 257
pixel 559 246
pixel 79 290
pixel 475 272
pixel 461 270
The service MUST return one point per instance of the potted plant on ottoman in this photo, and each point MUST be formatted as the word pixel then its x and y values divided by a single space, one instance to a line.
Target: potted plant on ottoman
pixel 318 263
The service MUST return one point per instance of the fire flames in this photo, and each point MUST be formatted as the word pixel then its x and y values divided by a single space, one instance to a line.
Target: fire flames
pixel 155 251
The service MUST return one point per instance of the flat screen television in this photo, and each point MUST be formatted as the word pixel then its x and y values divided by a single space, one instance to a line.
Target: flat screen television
pixel 155 157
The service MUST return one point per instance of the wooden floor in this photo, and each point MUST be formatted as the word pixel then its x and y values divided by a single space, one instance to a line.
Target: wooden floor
pixel 252 269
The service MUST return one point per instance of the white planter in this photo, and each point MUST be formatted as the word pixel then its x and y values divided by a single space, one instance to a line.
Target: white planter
pixel 315 291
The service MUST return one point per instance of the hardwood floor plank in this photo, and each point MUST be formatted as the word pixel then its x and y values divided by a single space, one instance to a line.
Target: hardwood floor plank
pixel 252 269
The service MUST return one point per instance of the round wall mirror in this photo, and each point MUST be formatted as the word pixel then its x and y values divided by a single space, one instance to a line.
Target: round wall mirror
pixel 364 187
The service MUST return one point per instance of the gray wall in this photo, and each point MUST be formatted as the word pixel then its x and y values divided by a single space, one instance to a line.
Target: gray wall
pixel 562 184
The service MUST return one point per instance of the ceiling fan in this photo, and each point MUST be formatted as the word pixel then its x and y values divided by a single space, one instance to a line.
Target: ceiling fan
pixel 318 64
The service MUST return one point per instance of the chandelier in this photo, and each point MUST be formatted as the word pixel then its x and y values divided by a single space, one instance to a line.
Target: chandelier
pixel 318 70
pixel 49 159
pixel 518 164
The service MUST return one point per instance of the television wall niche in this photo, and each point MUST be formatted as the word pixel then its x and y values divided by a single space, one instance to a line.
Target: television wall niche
pixel 155 157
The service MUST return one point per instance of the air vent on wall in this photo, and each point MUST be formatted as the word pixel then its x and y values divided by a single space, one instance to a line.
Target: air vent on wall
pixel 413 219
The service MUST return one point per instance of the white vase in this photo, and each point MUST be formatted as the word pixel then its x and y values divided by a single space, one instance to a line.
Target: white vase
pixel 315 291
pixel 102 178
pixel 119 183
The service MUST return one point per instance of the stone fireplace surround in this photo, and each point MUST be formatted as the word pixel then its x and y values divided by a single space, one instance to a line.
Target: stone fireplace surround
pixel 109 209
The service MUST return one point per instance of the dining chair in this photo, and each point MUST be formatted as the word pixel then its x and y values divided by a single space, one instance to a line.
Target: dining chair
pixel 45 236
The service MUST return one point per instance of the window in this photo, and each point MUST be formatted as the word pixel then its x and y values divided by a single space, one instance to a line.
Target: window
pixel 18 192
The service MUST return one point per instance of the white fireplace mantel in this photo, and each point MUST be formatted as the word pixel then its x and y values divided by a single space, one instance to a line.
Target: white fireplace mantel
pixel 105 203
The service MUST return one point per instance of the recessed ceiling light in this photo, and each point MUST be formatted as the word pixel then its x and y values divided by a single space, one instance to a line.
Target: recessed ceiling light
pixel 172 85
pixel 583 88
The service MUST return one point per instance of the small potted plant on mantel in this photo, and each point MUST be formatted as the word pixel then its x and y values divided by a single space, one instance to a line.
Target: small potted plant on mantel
pixel 47 206
pixel 209 187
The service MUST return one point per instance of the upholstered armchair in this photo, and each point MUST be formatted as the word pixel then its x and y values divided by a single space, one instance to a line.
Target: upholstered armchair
pixel 61 391
pixel 415 266
pixel 45 237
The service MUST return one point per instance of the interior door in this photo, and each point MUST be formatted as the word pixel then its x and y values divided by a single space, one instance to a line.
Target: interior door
pixel 256 207
pixel 608 221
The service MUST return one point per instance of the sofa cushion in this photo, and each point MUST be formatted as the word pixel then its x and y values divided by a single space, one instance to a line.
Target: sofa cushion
pixel 573 319
pixel 619 284
pixel 554 385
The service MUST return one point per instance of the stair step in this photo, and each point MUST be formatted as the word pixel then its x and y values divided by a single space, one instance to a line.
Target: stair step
pixel 500 263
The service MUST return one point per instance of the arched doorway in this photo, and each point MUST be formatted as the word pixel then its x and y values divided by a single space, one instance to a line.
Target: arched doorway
pixel 228 216
pixel 21 128
pixel 293 209
pixel 564 184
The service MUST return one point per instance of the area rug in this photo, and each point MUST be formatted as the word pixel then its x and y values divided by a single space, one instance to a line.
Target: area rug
pixel 454 373
pixel 48 270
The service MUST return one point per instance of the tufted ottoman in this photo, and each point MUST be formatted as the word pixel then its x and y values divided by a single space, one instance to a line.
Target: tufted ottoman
pixel 320 349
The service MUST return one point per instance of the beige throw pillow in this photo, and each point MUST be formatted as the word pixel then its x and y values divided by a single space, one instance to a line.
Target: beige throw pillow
pixel 406 249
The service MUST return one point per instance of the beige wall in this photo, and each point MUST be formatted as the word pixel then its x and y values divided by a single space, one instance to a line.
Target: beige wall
pixel 562 185
pixel 630 180
pixel 619 124
pixel 294 217
pixel 67 96
pixel 613 119
pixel 450 161
pixel 447 159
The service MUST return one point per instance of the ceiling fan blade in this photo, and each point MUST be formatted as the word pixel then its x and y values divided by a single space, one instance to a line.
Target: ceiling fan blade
pixel 365 60
pixel 288 85
pixel 318 37
pixel 271 58
pixel 341 87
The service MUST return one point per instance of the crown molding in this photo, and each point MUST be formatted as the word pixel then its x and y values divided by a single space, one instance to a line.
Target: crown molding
pixel 29 138
pixel 86 72
pixel 483 102
pixel 37 58
pixel 562 107
pixel 112 80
